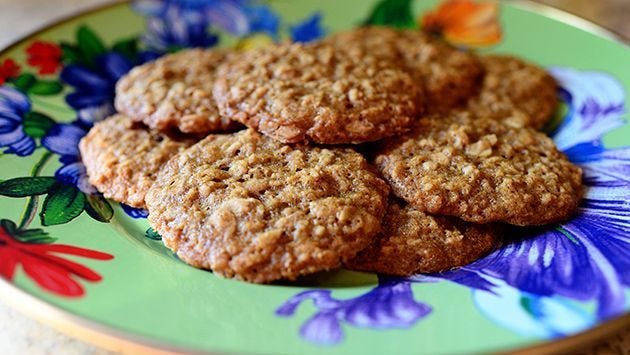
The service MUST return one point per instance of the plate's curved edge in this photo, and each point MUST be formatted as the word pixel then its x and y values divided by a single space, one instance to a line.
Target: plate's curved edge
pixel 578 341
pixel 570 19
pixel 115 340
pixel 80 327
pixel 60 21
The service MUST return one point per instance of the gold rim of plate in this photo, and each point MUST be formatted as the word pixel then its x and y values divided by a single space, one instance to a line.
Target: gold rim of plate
pixel 116 340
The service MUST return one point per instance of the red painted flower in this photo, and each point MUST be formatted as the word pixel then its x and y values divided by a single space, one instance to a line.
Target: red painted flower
pixel 8 69
pixel 44 55
pixel 42 264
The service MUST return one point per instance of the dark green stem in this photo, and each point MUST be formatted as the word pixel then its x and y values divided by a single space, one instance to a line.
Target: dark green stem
pixel 31 205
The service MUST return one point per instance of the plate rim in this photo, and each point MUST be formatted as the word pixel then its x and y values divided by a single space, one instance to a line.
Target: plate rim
pixel 570 19
pixel 113 339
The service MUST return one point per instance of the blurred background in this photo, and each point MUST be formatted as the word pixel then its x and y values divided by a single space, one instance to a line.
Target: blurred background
pixel 18 17
pixel 611 14
pixel 20 335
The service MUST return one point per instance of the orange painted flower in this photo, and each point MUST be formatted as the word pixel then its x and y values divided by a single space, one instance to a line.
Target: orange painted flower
pixel 465 22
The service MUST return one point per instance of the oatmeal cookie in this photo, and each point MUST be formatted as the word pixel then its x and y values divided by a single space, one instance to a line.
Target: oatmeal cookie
pixel 122 160
pixel 175 91
pixel 314 92
pixel 449 76
pixel 413 242
pixel 481 170
pixel 249 207
pixel 519 93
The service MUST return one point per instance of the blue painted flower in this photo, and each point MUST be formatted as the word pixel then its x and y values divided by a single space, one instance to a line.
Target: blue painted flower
pixel 174 24
pixel 229 15
pixel 63 139
pixel 587 258
pixel 173 31
pixel 390 305
pixel 93 100
pixel 532 315
pixel 308 30
pixel 134 212
pixel 13 106
pixel 262 19
pixel 95 87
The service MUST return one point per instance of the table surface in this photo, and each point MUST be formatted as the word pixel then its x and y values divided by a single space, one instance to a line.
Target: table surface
pixel 21 335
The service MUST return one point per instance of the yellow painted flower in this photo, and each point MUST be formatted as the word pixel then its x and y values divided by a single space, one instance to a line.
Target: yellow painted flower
pixel 465 22
pixel 254 41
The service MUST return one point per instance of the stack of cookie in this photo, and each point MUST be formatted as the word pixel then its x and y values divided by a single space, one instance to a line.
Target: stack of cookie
pixel 256 165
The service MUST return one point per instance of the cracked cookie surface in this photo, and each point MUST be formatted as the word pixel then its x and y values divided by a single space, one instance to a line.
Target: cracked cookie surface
pixel 249 207
pixel 449 76
pixel 481 170
pixel 175 91
pixel 413 242
pixel 315 92
pixel 122 159
pixel 517 92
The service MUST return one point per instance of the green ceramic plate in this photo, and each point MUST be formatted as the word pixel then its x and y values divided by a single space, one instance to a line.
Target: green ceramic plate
pixel 94 267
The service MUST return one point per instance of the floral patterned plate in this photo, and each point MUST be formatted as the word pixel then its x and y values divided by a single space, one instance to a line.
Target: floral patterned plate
pixel 95 268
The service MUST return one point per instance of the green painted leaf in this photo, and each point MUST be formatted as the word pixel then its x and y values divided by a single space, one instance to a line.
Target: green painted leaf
pixel 393 13
pixel 98 208
pixel 8 226
pixel 90 45
pixel 24 81
pixel 27 186
pixel 45 87
pixel 35 236
pixel 152 234
pixel 71 53
pixel 127 47
pixel 62 204
pixel 37 124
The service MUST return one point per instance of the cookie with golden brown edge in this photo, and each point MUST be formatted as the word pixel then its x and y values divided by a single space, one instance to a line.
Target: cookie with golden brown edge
pixel 175 91
pixel 413 242
pixel 247 206
pixel 481 170
pixel 123 159
pixel 515 91
pixel 315 92
pixel 449 76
